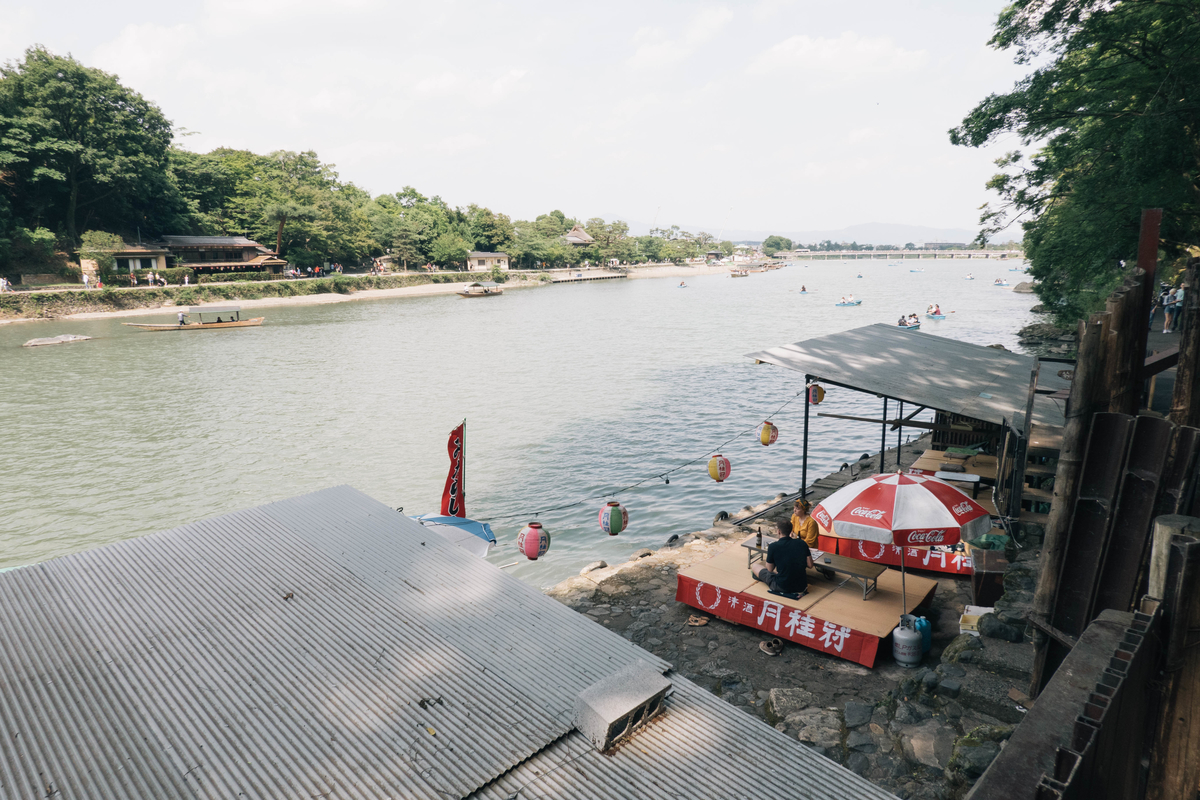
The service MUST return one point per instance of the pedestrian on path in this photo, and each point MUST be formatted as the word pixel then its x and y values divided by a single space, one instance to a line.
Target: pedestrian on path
pixel 1178 315
pixel 85 280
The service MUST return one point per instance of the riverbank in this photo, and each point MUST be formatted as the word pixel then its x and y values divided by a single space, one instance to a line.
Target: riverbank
pixel 128 302
pixel 921 733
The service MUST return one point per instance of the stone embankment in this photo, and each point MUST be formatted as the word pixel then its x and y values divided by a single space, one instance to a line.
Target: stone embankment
pixel 923 733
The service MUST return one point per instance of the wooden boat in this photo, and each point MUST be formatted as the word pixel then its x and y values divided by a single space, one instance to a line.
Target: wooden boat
pixel 235 320
pixel 1001 283
pixel 936 316
pixel 909 327
pixel 482 289
pixel 853 303
pixel 739 273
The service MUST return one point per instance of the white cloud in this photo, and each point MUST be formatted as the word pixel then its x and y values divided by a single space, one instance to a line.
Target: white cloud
pixel 850 56
pixel 656 51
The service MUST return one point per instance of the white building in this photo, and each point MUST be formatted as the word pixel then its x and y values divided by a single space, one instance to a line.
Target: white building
pixel 483 262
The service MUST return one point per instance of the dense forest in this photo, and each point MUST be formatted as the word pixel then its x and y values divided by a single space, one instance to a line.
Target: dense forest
pixel 1110 125
pixel 80 153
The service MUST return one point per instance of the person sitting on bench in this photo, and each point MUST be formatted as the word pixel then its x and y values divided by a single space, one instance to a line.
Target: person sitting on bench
pixel 786 560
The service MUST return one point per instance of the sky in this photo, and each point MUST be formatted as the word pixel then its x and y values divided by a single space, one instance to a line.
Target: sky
pixel 772 114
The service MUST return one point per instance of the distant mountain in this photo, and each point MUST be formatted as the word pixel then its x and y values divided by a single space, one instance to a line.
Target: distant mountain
pixel 865 233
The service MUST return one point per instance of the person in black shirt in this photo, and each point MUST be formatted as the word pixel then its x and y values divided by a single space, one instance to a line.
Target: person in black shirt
pixel 786 560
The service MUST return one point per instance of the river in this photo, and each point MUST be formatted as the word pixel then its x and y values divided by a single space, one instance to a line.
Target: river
pixel 568 391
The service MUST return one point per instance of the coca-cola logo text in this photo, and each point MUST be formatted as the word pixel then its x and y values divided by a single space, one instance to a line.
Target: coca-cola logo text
pixel 927 537
pixel 869 513
pixel 962 508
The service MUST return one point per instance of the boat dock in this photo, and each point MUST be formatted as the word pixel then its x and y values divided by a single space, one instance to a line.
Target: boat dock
pixel 580 276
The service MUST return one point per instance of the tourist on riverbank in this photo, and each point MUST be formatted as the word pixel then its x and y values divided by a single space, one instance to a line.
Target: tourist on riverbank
pixel 786 560
pixel 1178 315
pixel 85 281
pixel 804 526
pixel 1169 312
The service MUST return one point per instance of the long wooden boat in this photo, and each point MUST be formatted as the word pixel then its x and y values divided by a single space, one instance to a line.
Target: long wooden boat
pixel 739 273
pixel 482 289
pixel 235 320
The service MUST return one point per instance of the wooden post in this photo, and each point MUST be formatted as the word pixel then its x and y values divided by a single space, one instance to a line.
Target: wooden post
pixel 1116 368
pixel 1175 579
pixel 1148 263
pixel 1184 401
pixel 1080 407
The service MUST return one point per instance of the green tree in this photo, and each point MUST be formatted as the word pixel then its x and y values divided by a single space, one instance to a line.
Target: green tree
pixel 82 147
pixel 450 250
pixel 726 247
pixel 99 246
pixel 1113 110
pixel 774 244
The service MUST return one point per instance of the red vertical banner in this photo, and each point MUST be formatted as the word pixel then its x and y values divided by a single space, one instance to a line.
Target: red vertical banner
pixel 454 498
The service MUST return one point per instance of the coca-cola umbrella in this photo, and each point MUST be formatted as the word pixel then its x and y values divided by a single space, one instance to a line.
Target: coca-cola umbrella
pixel 904 510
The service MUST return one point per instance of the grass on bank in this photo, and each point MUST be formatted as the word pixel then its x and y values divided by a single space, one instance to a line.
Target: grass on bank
pixel 44 304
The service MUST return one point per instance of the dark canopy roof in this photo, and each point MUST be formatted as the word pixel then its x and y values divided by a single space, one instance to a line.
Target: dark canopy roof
pixel 209 241
pixel 958 377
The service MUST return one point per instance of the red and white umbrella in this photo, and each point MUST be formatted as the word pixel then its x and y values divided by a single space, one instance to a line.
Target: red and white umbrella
pixel 902 509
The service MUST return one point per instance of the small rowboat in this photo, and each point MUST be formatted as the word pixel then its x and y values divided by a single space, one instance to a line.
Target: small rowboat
pixel 739 273
pixel 936 316
pixel 235 320
pixel 909 327
pixel 855 303
pixel 916 270
pixel 1001 283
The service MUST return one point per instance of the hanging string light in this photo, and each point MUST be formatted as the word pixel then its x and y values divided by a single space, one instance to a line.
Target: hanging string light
pixel 614 518
pixel 533 541
pixel 719 468
pixel 768 434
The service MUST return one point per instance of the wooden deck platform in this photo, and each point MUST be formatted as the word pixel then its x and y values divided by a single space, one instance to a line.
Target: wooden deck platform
pixel 833 617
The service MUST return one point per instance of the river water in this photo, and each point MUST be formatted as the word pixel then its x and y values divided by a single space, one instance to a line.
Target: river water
pixel 568 391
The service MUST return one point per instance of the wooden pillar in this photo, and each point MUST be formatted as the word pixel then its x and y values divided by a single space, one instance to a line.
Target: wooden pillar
pixel 1116 370
pixel 1186 398
pixel 1175 579
pixel 1148 263
pixel 1081 405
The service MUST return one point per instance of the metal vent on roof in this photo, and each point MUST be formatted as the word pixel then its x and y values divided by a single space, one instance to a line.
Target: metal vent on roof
pixel 616 707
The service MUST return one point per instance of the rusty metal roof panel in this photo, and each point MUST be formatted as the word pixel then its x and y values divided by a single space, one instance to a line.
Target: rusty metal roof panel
pixel 699 747
pixel 959 377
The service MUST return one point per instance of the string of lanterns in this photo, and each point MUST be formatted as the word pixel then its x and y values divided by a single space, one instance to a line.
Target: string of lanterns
pixel 534 540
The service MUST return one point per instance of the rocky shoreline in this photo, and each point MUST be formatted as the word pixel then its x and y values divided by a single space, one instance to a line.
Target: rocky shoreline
pixel 919 733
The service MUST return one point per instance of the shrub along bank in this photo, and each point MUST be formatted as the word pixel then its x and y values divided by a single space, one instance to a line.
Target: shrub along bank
pixel 61 303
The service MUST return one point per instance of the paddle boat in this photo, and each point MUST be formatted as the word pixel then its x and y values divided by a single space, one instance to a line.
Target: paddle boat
pixel 235 320
pixel 936 316
pixel 482 289
pixel 850 303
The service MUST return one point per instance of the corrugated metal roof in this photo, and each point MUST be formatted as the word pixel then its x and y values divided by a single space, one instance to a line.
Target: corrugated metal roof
pixel 700 747
pixel 327 645
pixel 969 379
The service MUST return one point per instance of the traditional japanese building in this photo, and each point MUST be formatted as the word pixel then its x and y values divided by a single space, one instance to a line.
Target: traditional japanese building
pixel 208 254
pixel 578 236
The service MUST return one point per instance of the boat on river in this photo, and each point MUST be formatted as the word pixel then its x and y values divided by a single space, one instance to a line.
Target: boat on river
pixel 851 303
pixel 739 273
pixel 1000 283
pixel 911 327
pixel 201 324
pixel 482 289
pixel 936 316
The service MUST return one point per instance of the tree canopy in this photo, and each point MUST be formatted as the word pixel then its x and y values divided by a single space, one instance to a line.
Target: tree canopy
pixel 1114 126
pixel 80 152
pixel 773 244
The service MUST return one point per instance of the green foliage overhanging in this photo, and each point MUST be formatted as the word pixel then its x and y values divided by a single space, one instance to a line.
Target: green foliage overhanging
pixel 1113 116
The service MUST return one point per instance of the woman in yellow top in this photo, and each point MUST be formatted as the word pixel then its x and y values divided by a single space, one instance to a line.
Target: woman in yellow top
pixel 804 525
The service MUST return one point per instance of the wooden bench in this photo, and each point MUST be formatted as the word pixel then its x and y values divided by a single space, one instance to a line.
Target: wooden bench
pixel 864 572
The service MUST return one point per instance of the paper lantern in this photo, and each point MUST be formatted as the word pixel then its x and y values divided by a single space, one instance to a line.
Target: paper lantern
pixel 614 518
pixel 815 395
pixel 533 541
pixel 719 468
pixel 768 434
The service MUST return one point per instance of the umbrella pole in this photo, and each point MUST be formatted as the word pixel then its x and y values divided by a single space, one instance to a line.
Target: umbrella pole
pixel 903 589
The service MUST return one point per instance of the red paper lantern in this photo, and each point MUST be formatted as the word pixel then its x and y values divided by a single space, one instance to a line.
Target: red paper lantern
pixel 533 541
pixel 768 434
pixel 719 468
pixel 614 518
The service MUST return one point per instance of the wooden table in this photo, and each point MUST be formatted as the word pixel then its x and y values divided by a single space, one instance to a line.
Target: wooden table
pixel 864 572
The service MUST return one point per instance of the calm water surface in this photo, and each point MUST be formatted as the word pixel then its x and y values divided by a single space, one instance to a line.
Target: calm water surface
pixel 569 391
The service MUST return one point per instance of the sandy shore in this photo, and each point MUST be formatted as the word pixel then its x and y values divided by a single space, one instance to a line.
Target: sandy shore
pixel 656 271
pixel 300 300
